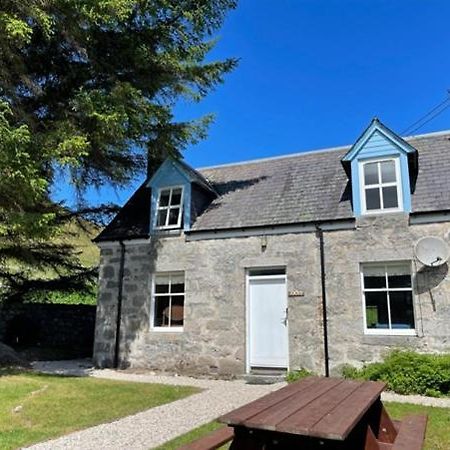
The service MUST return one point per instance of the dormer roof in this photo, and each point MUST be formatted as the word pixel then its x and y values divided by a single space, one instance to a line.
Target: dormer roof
pixel 191 175
pixel 376 126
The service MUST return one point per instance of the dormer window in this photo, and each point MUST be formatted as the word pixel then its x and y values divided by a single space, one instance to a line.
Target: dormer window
pixel 382 169
pixel 178 193
pixel 380 188
pixel 170 208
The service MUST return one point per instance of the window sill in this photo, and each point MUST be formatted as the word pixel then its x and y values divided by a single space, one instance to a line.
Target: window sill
pixel 161 232
pixel 388 333
pixel 167 329
pixel 382 211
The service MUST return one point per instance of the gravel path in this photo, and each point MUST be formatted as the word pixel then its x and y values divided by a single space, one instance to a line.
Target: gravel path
pixel 155 426
pixel 416 399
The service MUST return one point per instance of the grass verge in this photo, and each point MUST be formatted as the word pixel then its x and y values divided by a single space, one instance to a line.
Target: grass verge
pixel 437 438
pixel 438 427
pixel 37 407
pixel 196 433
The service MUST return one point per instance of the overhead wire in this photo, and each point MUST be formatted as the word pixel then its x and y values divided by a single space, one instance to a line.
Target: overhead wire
pixel 429 116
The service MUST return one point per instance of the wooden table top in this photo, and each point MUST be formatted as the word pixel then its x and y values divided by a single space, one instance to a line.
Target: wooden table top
pixel 327 408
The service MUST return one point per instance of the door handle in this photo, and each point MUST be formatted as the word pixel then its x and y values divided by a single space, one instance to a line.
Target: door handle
pixel 285 320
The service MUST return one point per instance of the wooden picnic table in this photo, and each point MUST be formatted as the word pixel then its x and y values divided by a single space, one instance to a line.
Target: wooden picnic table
pixel 322 413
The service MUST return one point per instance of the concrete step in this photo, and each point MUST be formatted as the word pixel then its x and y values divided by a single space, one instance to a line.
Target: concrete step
pixel 265 376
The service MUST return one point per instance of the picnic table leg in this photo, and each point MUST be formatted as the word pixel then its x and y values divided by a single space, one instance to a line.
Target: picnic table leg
pixel 381 424
pixel 244 440
pixel 387 431
pixel 371 441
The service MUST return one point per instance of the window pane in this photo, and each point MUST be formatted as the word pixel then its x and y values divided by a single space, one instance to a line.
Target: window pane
pixel 376 310
pixel 388 171
pixel 390 197
pixel 176 288
pixel 399 276
pixel 177 278
pixel 162 279
pixel 162 284
pixel 173 216
pixel 371 173
pixel 177 315
pixel 176 197
pixel 177 284
pixel 373 199
pixel 402 314
pixel 164 197
pixel 162 215
pixel 161 288
pixel 161 318
pixel 374 277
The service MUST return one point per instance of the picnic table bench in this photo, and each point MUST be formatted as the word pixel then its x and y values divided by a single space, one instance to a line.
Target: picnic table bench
pixel 317 413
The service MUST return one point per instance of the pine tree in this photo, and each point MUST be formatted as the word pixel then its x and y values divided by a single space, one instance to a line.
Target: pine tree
pixel 87 91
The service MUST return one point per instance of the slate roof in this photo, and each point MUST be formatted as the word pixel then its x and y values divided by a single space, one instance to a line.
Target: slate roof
pixel 432 191
pixel 132 221
pixel 305 187
pixel 197 177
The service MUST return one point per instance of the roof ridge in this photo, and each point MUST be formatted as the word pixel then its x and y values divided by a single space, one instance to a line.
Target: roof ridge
pixel 272 158
pixel 313 152
pixel 424 135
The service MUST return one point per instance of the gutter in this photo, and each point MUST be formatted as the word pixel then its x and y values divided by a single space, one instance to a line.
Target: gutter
pixel 119 304
pixel 324 300
pixel 264 230
pixel 418 218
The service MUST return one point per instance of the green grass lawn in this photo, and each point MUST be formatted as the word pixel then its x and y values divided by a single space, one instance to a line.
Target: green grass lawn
pixel 35 407
pixel 438 429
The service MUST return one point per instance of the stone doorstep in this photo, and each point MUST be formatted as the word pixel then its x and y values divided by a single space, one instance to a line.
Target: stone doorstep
pixel 263 375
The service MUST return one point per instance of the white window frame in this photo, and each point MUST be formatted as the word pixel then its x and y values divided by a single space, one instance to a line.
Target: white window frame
pixel 387 331
pixel 168 208
pixel 380 185
pixel 168 329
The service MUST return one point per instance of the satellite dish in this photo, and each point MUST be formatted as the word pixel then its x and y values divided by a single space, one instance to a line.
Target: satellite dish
pixel 432 251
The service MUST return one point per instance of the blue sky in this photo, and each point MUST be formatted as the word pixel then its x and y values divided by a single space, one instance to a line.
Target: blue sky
pixel 313 73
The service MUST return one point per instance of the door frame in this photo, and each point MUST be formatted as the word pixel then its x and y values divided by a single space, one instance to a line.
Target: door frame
pixel 248 278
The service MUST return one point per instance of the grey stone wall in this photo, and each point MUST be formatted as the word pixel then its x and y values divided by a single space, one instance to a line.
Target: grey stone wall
pixel 383 238
pixel 213 341
pixel 214 335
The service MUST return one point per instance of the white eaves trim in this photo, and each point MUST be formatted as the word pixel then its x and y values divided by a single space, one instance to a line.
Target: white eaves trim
pixel 126 242
pixel 268 231
pixel 193 235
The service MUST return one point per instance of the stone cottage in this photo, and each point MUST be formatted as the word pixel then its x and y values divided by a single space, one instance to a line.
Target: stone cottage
pixel 305 260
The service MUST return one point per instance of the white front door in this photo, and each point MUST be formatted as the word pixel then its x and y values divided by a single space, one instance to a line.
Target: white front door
pixel 267 321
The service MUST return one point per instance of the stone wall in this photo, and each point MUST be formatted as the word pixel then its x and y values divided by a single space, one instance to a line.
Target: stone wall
pixel 60 326
pixel 383 238
pixel 214 337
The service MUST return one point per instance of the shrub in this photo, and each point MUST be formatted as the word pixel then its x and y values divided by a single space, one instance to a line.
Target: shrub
pixel 68 298
pixel 297 375
pixel 408 372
